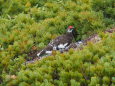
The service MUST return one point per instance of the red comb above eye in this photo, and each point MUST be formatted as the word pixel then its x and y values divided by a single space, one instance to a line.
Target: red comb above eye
pixel 70 27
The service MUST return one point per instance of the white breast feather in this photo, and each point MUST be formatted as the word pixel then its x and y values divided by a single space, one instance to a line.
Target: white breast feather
pixel 62 46
pixel 65 44
pixel 39 53
pixel 48 52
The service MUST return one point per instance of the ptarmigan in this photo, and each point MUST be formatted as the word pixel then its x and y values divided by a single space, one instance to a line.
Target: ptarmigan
pixel 60 43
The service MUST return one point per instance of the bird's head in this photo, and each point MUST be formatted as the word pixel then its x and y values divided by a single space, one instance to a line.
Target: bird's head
pixel 70 29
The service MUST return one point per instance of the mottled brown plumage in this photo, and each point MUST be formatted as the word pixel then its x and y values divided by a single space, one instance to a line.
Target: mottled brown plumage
pixel 66 38
pixel 59 43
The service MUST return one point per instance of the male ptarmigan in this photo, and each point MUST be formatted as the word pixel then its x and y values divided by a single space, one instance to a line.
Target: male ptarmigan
pixel 60 43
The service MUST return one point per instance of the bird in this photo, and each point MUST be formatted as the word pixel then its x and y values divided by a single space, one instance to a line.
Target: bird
pixel 60 43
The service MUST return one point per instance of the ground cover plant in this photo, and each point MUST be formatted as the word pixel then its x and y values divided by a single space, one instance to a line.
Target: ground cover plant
pixel 92 66
pixel 27 25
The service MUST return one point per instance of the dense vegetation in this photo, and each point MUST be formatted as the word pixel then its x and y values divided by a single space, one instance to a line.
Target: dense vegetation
pixel 92 66
pixel 27 25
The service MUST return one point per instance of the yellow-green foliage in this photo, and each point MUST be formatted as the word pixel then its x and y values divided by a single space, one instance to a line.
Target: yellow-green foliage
pixel 94 65
pixel 27 23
